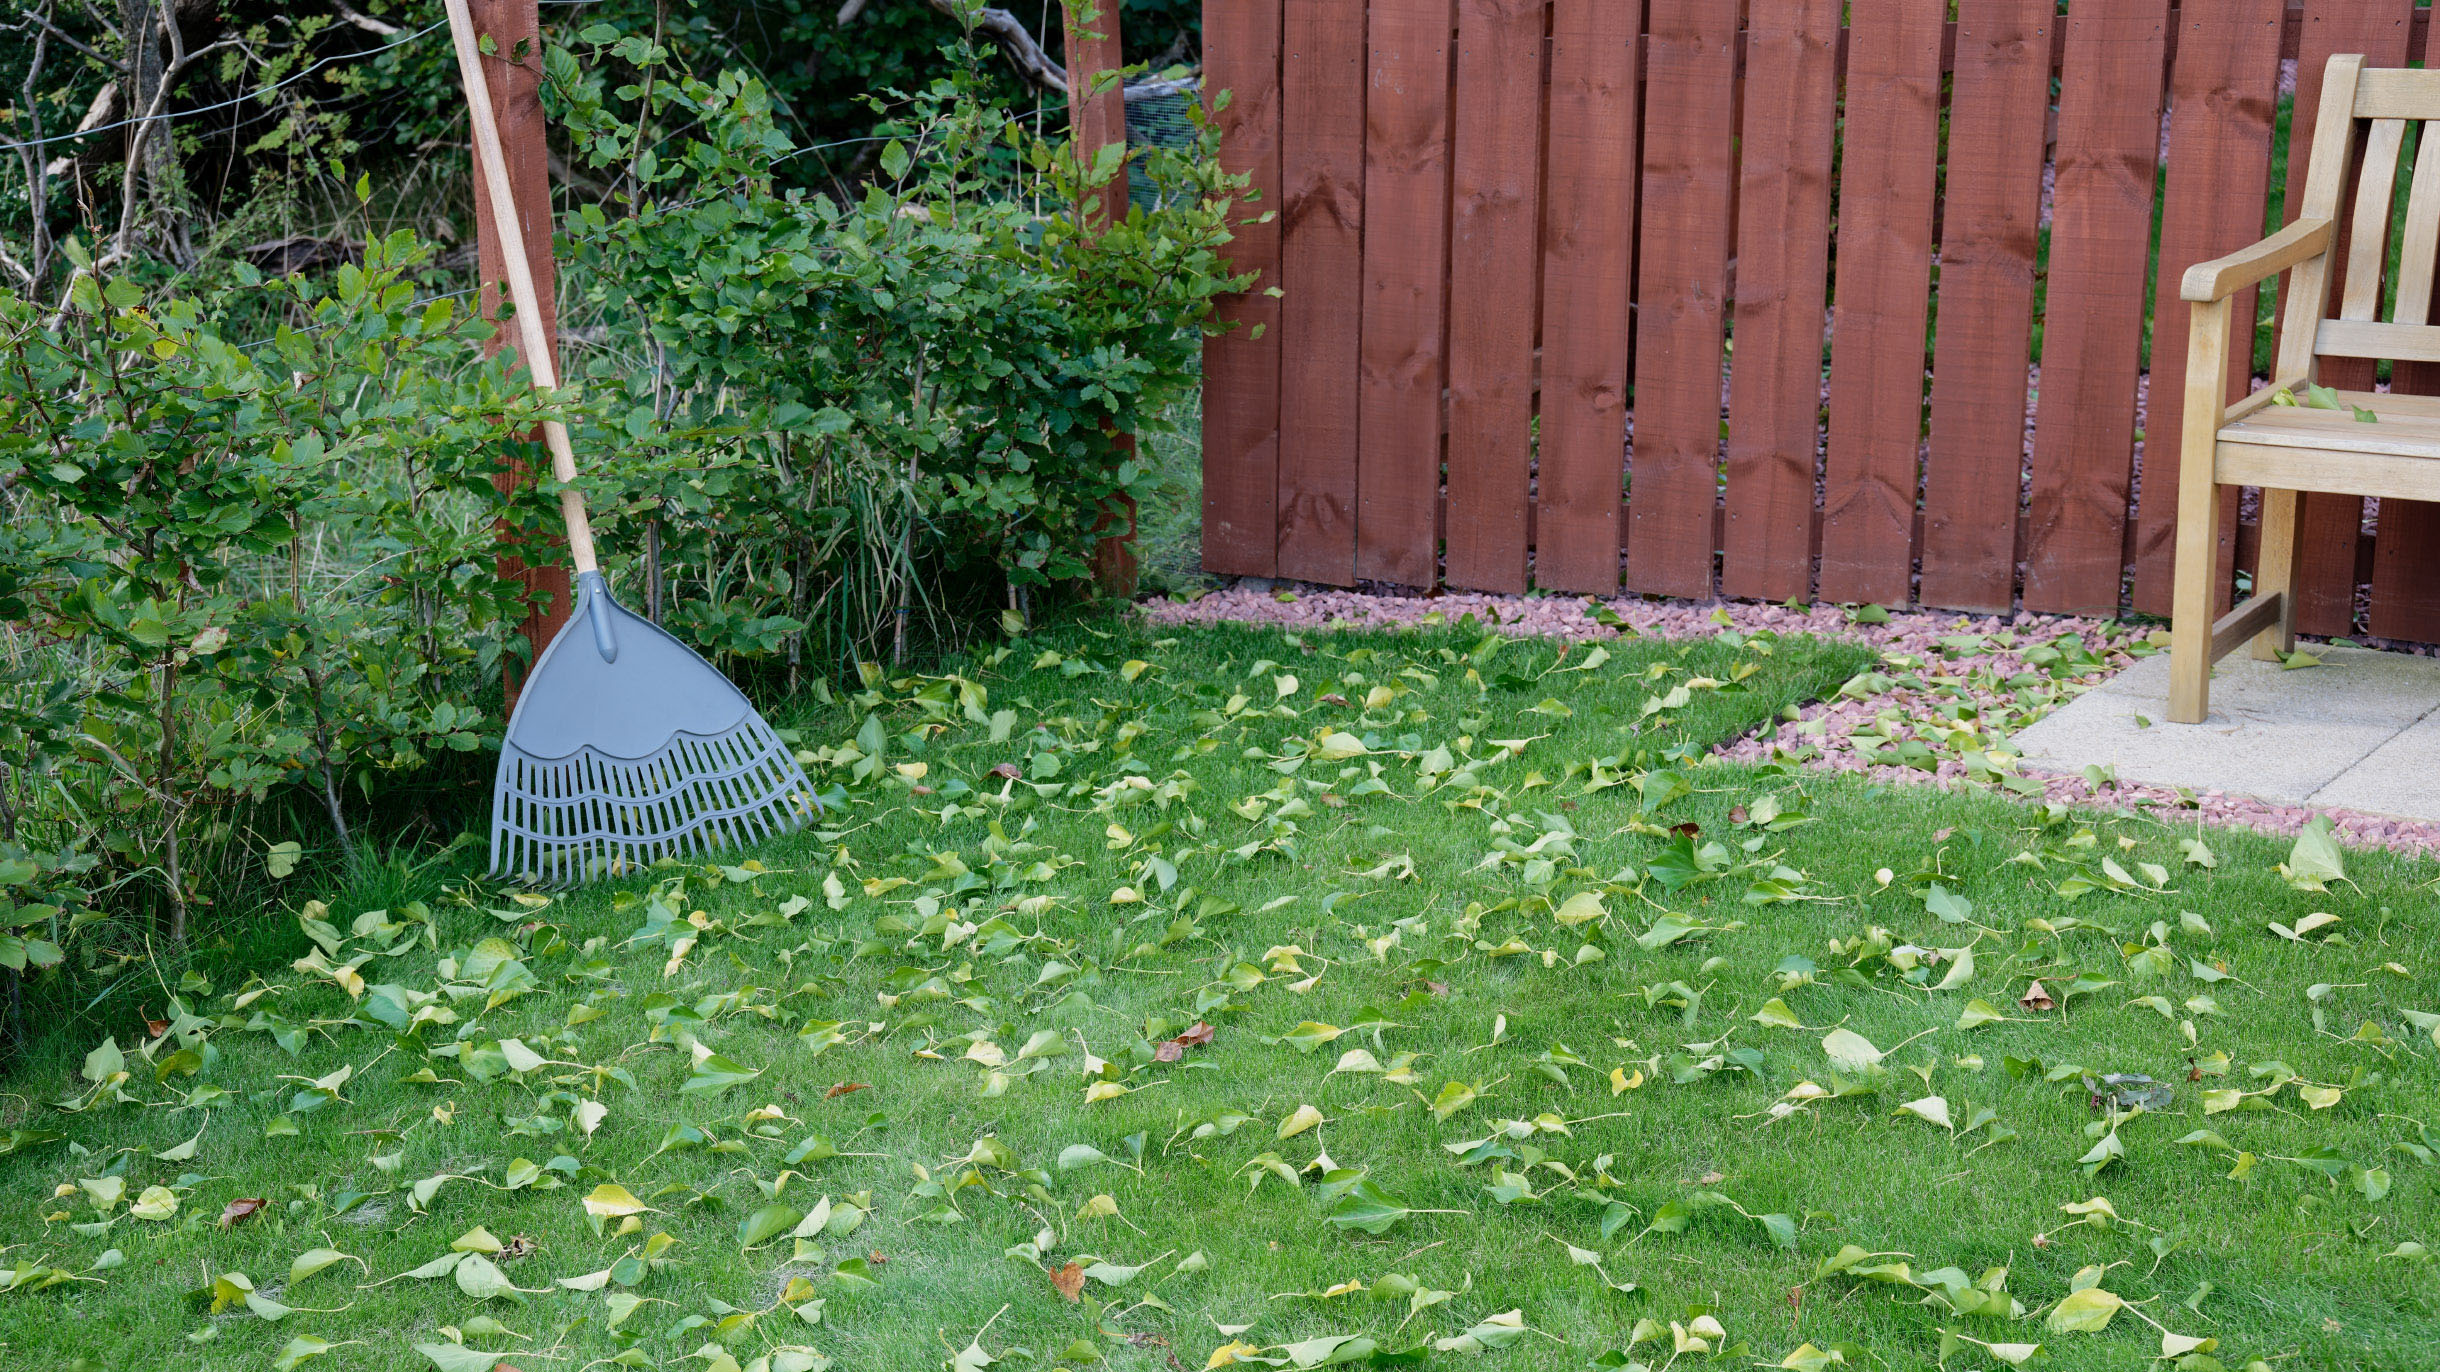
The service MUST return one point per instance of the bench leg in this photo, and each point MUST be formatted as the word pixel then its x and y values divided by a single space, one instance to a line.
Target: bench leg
pixel 2282 538
pixel 2198 533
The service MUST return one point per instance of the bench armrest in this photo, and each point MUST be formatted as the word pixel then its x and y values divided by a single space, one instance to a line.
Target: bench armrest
pixel 2222 277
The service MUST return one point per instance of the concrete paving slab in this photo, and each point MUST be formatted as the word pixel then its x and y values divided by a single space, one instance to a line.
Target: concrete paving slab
pixel 2401 777
pixel 2285 760
pixel 2351 684
pixel 2359 731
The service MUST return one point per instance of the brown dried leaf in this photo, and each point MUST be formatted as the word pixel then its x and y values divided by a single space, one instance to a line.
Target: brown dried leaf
pixel 844 1088
pixel 2036 997
pixel 1333 698
pixel 1069 1281
pixel 1008 770
pixel 1168 1050
pixel 1197 1034
pixel 239 1210
pixel 1687 829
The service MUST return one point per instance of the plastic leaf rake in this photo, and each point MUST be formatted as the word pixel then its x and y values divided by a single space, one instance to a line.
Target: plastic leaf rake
pixel 625 747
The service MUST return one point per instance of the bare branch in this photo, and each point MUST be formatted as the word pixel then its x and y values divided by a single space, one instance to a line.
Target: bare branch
pixel 365 21
pixel 37 199
pixel 73 41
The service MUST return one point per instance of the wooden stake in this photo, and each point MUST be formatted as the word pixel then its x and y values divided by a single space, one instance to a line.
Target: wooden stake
pixel 513 72
pixel 1098 119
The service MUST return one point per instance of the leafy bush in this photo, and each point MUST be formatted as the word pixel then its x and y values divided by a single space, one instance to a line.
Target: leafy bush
pixel 248 556
pixel 247 565
pixel 831 410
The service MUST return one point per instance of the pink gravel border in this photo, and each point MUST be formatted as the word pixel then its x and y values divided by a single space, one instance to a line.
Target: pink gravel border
pixel 1914 633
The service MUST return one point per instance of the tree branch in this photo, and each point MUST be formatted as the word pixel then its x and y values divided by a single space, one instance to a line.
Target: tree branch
pixel 1018 45
pixel 365 21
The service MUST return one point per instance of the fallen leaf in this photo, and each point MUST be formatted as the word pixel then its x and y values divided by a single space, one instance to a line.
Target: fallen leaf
pixel 844 1088
pixel 240 1209
pixel 2036 997
pixel 1070 1282
pixel 1008 770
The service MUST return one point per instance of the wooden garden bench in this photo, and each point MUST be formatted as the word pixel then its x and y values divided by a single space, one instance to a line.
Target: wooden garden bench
pixel 2285 449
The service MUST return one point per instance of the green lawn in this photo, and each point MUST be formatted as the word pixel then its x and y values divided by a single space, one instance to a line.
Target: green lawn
pixel 1517 1015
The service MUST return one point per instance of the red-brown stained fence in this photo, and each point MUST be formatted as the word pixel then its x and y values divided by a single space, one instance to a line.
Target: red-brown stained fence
pixel 1597 295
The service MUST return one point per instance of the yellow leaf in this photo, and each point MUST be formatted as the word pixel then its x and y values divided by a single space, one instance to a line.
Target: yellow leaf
pixel 611 1201
pixel 1305 1118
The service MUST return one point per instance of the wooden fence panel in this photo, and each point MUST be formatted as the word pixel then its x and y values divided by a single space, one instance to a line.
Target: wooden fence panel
pixel 1989 244
pixel 1587 257
pixel 1406 189
pixel 1493 227
pixel 2092 334
pixel 1321 219
pixel 1681 277
pixel 1241 369
pixel 1511 233
pixel 2334 524
pixel 2222 108
pixel 1783 264
pixel 1887 175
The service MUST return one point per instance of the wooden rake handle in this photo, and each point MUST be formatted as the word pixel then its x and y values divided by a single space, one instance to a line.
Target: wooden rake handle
pixel 493 164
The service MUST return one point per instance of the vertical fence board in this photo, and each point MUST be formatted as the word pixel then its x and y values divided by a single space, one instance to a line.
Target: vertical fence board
pixel 1493 223
pixel 2222 108
pixel 1240 370
pixel 1989 244
pixel 2334 524
pixel 1406 197
pixel 1886 180
pixel 1587 255
pixel 2092 333
pixel 1682 268
pixel 1322 64
pixel 1783 262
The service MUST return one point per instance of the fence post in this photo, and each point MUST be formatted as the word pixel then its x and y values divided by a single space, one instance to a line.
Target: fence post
pixel 1097 118
pixel 513 72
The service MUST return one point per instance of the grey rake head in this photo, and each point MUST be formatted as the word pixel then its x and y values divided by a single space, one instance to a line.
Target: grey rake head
pixel 625 748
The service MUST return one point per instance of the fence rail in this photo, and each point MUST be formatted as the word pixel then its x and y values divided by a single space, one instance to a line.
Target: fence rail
pixel 1643 294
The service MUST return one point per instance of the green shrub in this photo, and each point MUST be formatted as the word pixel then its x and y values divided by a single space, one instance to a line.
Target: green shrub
pixel 248 556
pixel 247 566
pixel 835 415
